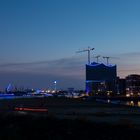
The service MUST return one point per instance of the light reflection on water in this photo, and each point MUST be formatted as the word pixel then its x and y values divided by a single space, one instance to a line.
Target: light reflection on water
pixel 14 97
pixel 138 103
pixel 129 103
pixel 132 103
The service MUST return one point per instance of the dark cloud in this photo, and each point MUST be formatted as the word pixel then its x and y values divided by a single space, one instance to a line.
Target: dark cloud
pixel 70 72
pixel 28 80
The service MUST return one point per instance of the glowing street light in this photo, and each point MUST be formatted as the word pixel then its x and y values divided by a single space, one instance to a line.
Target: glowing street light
pixel 55 82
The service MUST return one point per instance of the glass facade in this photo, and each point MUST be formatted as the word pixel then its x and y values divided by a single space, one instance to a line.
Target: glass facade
pixel 100 78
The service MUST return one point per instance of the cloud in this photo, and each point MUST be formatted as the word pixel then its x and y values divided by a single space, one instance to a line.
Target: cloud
pixel 129 63
pixel 131 54
pixel 65 66
pixel 70 72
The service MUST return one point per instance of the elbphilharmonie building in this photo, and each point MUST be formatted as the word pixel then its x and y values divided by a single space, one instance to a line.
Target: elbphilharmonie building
pixel 101 78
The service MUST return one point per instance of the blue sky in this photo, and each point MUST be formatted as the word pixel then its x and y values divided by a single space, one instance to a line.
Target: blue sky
pixel 39 38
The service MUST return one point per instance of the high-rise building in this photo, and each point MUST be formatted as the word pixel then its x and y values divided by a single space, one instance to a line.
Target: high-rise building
pixel 101 78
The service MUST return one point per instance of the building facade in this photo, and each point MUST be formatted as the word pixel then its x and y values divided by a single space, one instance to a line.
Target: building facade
pixel 133 84
pixel 121 86
pixel 101 78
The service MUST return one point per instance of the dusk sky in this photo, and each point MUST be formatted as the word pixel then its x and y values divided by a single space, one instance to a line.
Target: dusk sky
pixel 39 38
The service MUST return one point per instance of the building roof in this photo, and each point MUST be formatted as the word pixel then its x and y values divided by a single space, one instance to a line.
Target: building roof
pixel 94 64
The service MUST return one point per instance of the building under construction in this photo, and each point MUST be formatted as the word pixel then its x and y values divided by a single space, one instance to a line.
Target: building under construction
pixel 101 78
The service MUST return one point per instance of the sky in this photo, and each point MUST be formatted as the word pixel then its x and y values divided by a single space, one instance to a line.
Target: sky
pixel 39 40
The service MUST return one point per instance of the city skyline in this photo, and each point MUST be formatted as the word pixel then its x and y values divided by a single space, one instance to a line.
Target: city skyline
pixel 39 40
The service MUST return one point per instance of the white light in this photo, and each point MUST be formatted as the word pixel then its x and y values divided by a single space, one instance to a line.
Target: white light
pixel 127 95
pixel 48 91
pixel 108 101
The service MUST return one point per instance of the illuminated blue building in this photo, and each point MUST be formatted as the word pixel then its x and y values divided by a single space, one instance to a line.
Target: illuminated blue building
pixel 101 78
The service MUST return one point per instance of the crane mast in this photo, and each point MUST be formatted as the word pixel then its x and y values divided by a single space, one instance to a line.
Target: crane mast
pixel 97 58
pixel 107 59
pixel 87 50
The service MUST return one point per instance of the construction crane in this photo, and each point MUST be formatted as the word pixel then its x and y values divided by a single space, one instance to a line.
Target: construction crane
pixel 97 58
pixel 87 50
pixel 107 59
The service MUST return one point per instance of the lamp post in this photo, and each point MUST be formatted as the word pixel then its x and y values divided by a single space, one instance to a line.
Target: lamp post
pixel 55 82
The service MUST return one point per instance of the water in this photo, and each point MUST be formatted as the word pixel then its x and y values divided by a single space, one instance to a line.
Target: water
pixel 132 103
pixel 12 96
pixel 119 102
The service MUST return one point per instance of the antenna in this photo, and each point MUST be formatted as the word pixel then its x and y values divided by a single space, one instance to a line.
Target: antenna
pixel 87 50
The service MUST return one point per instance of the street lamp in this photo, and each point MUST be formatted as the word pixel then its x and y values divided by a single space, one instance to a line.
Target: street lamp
pixel 55 82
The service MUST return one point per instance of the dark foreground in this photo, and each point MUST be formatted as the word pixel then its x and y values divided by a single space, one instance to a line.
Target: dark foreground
pixel 15 126
pixel 68 119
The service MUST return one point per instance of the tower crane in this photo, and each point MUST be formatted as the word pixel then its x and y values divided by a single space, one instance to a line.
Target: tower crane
pixel 107 59
pixel 97 58
pixel 87 50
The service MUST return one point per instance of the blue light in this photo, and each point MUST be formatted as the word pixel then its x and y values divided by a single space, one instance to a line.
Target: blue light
pixel 94 64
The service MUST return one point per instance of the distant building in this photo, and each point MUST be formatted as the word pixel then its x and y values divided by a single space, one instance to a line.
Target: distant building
pixel 121 86
pixel 101 78
pixel 133 84
pixel 71 89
